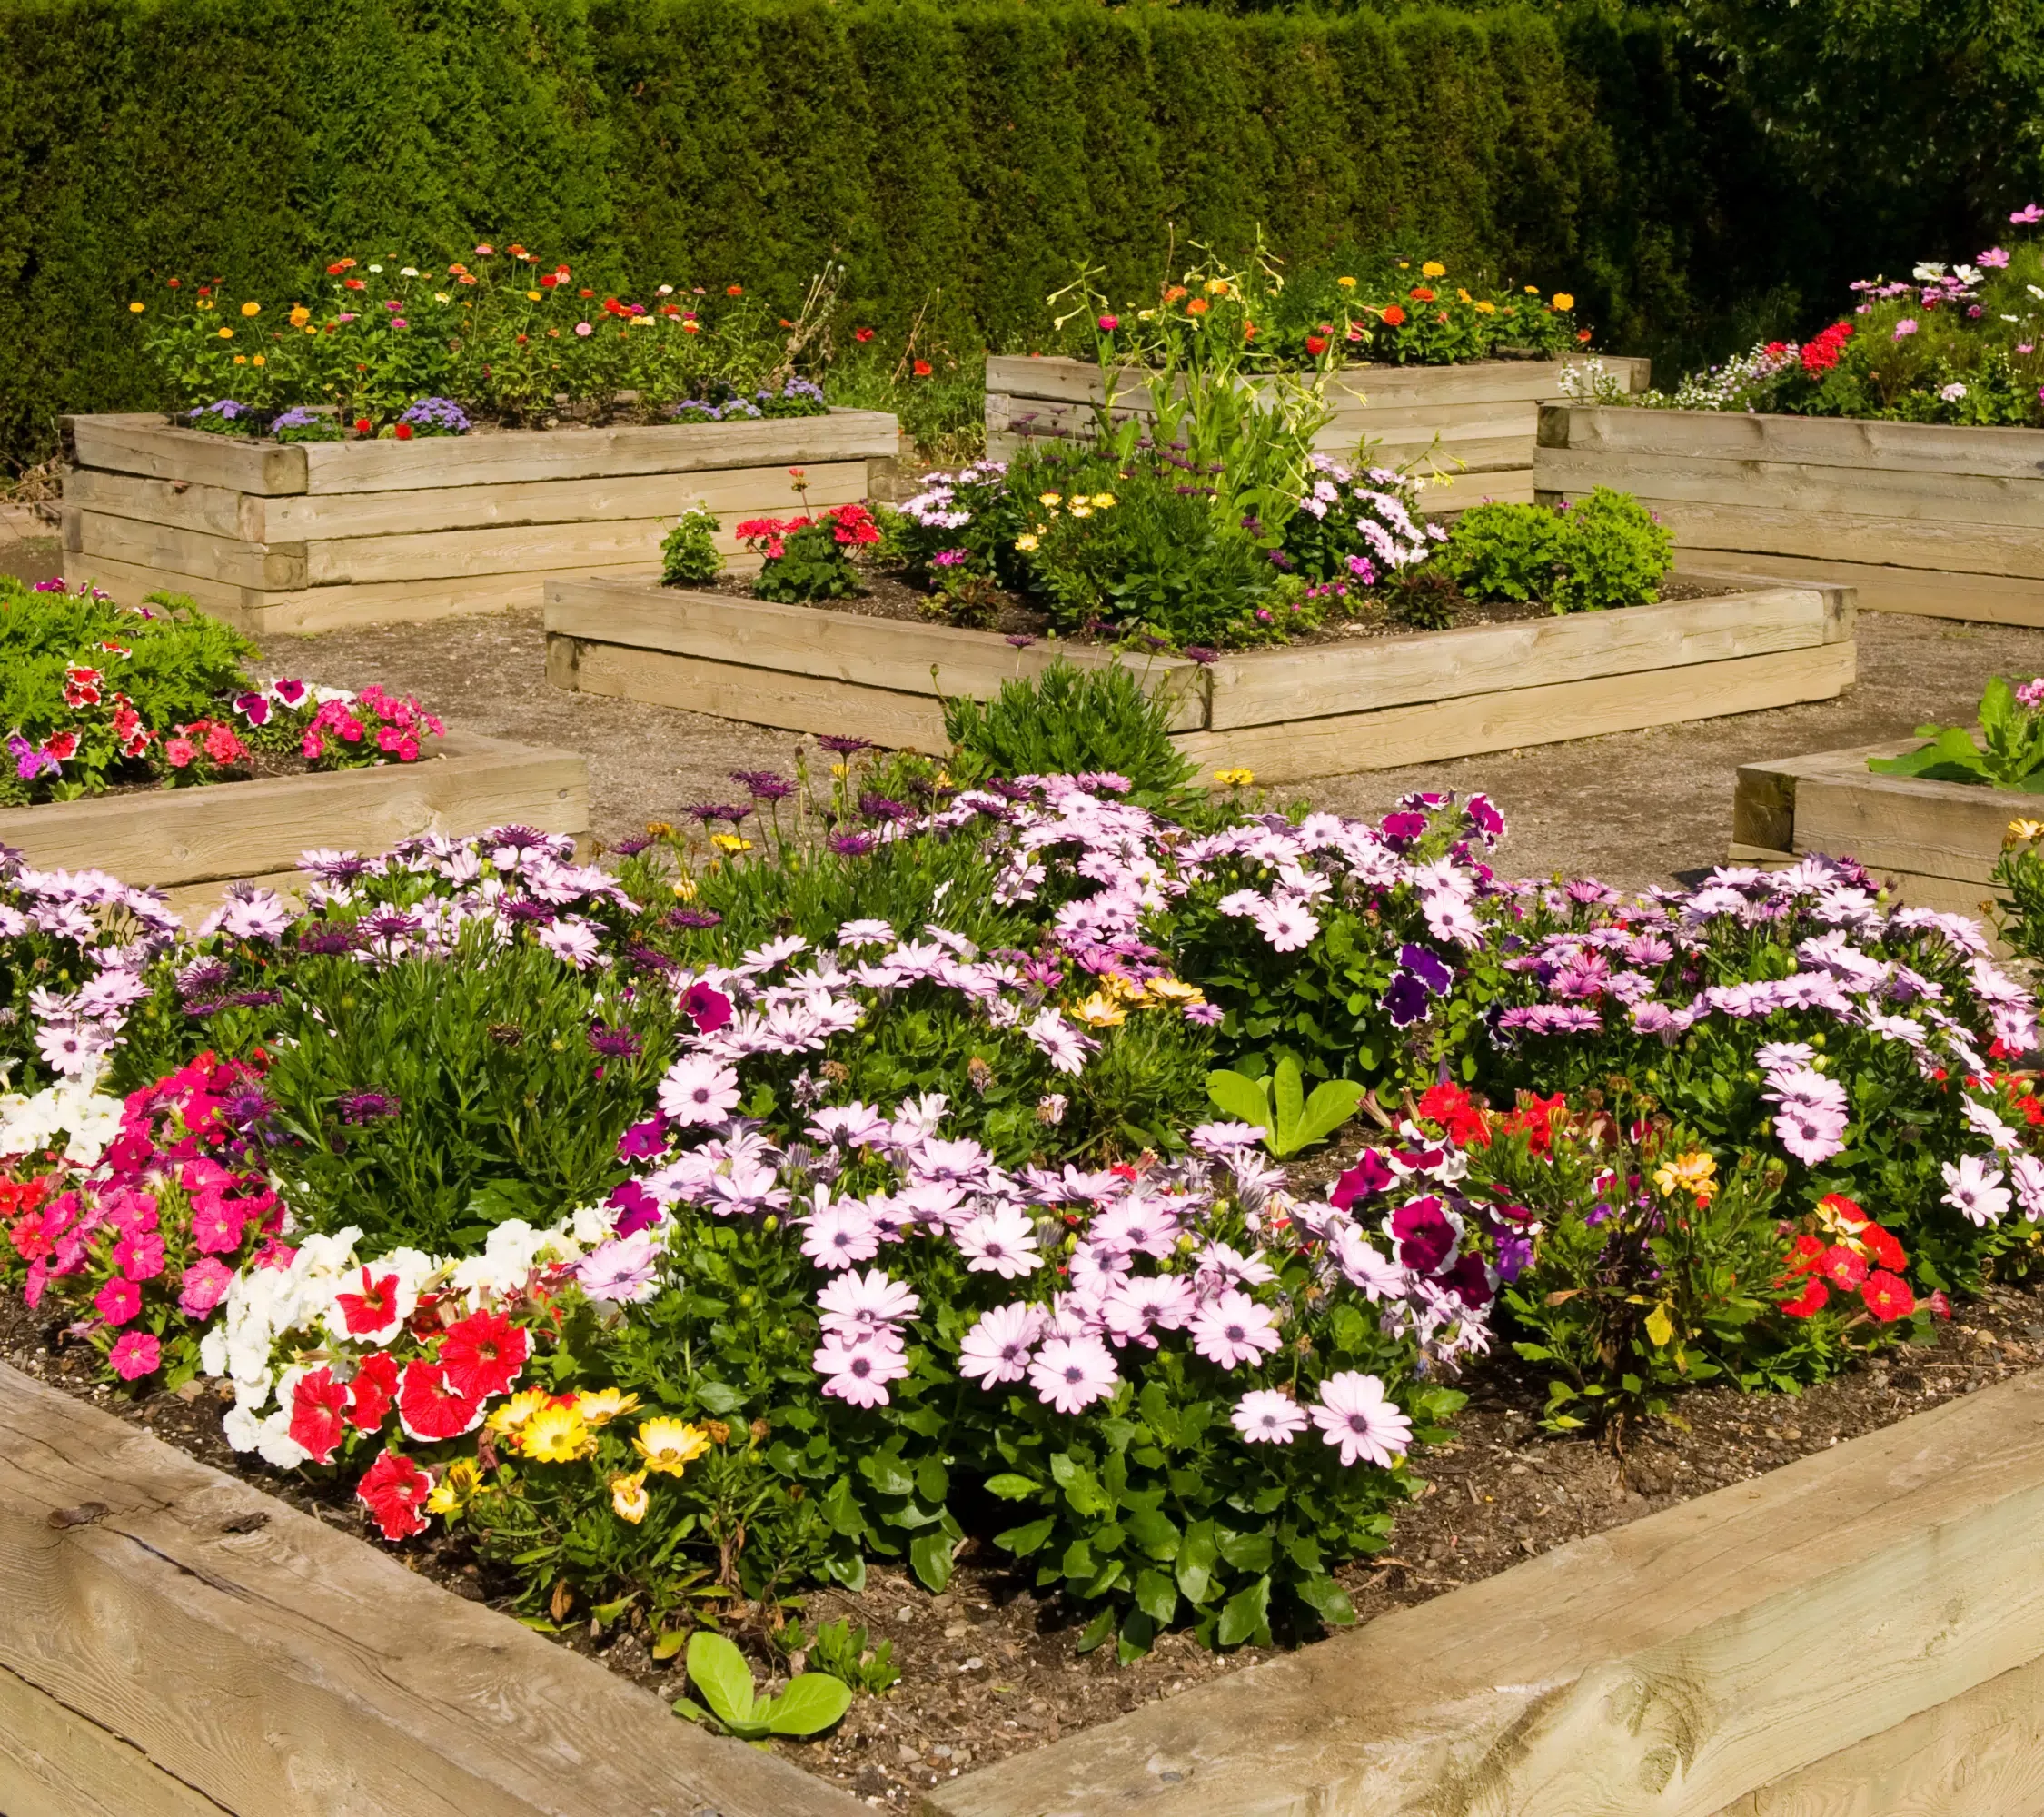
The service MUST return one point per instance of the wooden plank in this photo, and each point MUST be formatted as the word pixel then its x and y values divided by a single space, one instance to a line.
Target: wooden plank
pixel 1457 492
pixel 759 696
pixel 1312 682
pixel 188 835
pixel 158 451
pixel 1988 599
pixel 1902 498
pixel 1504 720
pixel 54 1762
pixel 1978 1755
pixel 130 582
pixel 1903 823
pixel 290 1670
pixel 511 456
pixel 215 510
pixel 1821 442
pixel 749 490
pixel 320 609
pixel 1898 542
pixel 164 547
pixel 890 654
pixel 1662 1669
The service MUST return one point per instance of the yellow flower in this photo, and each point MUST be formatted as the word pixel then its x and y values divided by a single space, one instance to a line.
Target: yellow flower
pixel 1234 779
pixel 730 842
pixel 670 1445
pixel 226 334
pixel 1563 300
pixel 1695 1173
pixel 442 296
pixel 1025 542
pixel 1175 990
pixel 1404 264
pixel 1433 268
pixel 2022 831
pixel 605 1405
pixel 841 770
pixel 300 315
pixel 1051 499
pixel 1532 289
pixel 556 1435
pixel 450 1494
pixel 509 1417
pixel 251 309
pixel 1462 296
pixel 241 359
pixel 1081 511
pixel 685 888
pixel 1103 502
pixel 1100 1012
pixel 260 360
pixel 1346 283
pixel 1216 286
pixel 1486 309
pixel 137 308
pixel 629 1499
pixel 531 296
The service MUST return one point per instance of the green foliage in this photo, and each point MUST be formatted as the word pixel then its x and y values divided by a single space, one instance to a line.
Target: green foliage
pixel 1602 550
pixel 846 1654
pixel 689 553
pixel 811 1703
pixel 1278 1105
pixel 1424 599
pixel 1067 721
pixel 1503 551
pixel 2018 882
pixel 2008 753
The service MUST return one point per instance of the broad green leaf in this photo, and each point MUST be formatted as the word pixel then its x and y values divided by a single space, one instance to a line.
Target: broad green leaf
pixel 1157 1596
pixel 886 1473
pixel 929 1555
pixel 1137 1630
pixel 933 1482
pixel 1097 1631
pixel 1024 1540
pixel 1330 1107
pixel 1245 1550
pixel 1245 1612
pixel 1154 1531
pixel 1242 1098
pixel 1010 1487
pixel 1197 1554
pixel 669 1642
pixel 719 1671
pixel 1288 1099
pixel 1327 1600
pixel 809 1704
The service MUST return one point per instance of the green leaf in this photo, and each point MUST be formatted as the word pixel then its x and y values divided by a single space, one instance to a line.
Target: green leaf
pixel 1289 1102
pixel 1081 1486
pixel 1245 1612
pixel 1157 1596
pixel 1197 1554
pixel 1010 1487
pixel 811 1702
pixel 1022 1541
pixel 933 1482
pixel 1154 1531
pixel 719 1671
pixel 929 1555
pixel 1242 1098
pixel 1097 1631
pixel 715 1397
pixel 1137 1630
pixel 886 1473
pixel 1330 1107
pixel 1247 1551
pixel 669 1642
pixel 1327 1600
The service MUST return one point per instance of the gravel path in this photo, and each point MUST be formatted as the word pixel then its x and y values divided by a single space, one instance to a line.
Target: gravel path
pixel 1634 808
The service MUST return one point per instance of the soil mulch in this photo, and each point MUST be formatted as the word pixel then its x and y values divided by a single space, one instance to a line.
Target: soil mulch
pixel 990 1670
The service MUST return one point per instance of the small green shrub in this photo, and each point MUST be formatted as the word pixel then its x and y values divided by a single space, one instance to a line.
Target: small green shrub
pixel 1501 552
pixel 1613 552
pixel 1424 599
pixel 849 1655
pixel 688 554
pixel 1070 721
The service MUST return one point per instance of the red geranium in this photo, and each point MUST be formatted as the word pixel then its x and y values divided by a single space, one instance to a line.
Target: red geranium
pixel 318 1405
pixel 394 1490
pixel 431 1407
pixel 482 1355
pixel 862 335
pixel 1454 1110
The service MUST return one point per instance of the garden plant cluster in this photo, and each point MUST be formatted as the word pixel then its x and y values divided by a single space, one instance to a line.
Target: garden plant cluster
pixel 894 1143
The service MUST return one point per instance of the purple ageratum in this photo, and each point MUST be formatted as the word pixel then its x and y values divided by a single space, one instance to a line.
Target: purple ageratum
pixel 29 762
pixel 435 415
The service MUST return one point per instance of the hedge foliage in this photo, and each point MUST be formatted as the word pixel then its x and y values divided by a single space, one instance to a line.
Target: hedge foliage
pixel 959 158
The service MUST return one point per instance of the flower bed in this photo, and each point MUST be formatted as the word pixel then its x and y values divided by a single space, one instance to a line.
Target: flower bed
pixel 1286 714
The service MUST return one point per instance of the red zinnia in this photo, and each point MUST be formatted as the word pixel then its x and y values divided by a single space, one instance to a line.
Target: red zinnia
pixel 1316 345
pixel 1887 1297
pixel 1421 295
pixel 862 335
pixel 394 1490
pixel 431 1407
pixel 923 369
pixel 403 431
pixel 1394 316
pixel 482 1355
pixel 374 1308
pixel 318 1402
pixel 363 425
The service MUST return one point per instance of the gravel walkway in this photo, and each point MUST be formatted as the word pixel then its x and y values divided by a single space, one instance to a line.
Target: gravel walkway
pixel 1635 808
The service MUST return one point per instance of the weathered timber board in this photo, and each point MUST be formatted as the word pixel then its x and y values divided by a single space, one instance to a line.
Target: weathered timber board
pixel 889 654
pixel 54 1762
pixel 213 510
pixel 1668 1668
pixel 1990 599
pixel 1762 532
pixel 290 1670
pixel 130 583
pixel 148 446
pixel 249 830
pixel 322 609
pixel 163 549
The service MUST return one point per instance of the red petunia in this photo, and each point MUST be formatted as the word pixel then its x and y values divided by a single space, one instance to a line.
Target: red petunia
pixel 431 1407
pixel 1882 1246
pixel 1887 1297
pixel 318 1408
pixel 374 1308
pixel 1843 1268
pixel 482 1355
pixel 1810 1300
pixel 373 1389
pixel 395 1489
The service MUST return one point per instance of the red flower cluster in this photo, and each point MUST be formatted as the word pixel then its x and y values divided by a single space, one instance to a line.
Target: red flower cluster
pixel 1819 354
pixel 1865 1259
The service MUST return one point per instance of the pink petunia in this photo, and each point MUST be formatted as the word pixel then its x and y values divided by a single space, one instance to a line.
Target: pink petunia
pixel 119 1300
pixel 135 1353
pixel 139 1255
pixel 202 1286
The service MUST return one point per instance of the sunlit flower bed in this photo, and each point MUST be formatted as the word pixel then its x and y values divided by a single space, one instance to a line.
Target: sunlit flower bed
pixel 707 1227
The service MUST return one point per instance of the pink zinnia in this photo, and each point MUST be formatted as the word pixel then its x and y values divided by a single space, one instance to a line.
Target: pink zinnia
pixel 119 1300
pixel 858 1372
pixel 996 1349
pixel 1355 1413
pixel 134 1353
pixel 1234 1330
pixel 1071 1372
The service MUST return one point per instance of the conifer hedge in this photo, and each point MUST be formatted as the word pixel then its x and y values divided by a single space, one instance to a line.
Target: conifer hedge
pixel 958 158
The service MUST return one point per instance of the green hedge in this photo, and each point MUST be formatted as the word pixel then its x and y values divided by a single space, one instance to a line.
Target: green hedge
pixel 957 157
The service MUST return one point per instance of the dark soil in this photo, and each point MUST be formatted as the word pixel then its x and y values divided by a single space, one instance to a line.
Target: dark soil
pixel 990 1669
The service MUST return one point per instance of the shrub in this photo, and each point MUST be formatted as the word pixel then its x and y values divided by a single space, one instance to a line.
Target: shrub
pixel 1602 550
pixel 689 553
pixel 2008 753
pixel 1502 552
pixel 1070 721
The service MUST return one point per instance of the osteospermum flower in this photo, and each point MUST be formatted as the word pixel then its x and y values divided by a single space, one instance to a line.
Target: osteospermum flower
pixel 556 1434
pixel 1974 1187
pixel 629 1499
pixel 860 1369
pixel 599 1406
pixel 855 1306
pixel 697 1090
pixel 1234 1330
pixel 670 1445
pixel 1003 1242
pixel 839 1233
pixel 1355 1413
pixel 1071 1372
pixel 1265 1416
pixel 996 1349
pixel 510 1417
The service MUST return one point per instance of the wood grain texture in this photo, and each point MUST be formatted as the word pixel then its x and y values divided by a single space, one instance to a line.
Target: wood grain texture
pixel 1478 381
pixel 517 456
pixel 1260 687
pixel 248 830
pixel 1664 1669
pixel 292 1671
pixel 316 609
pixel 1508 718
pixel 214 511
pixel 889 654
pixel 163 547
pixel 1760 532
pixel 128 444
pixel 1817 441
pixel 54 1762
pixel 1990 599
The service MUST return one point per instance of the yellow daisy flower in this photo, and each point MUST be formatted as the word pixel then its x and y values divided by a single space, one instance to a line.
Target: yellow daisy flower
pixel 508 1416
pixel 629 1499
pixel 670 1445
pixel 556 1435
pixel 605 1405
pixel 450 1494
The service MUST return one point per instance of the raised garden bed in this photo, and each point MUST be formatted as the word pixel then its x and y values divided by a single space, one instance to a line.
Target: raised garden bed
pixel 1286 714
pixel 193 842
pixel 1472 424
pixel 314 536
pixel 1865 1622
pixel 1917 516
pixel 1936 841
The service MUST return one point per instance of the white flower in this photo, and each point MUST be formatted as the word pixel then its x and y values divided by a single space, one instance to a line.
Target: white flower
pixel 1974 1187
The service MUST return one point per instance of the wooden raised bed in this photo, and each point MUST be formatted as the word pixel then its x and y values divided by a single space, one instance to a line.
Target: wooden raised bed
pixel 193 842
pixel 1311 709
pixel 320 535
pixel 1918 517
pixel 1937 841
pixel 1860 1631
pixel 1472 425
